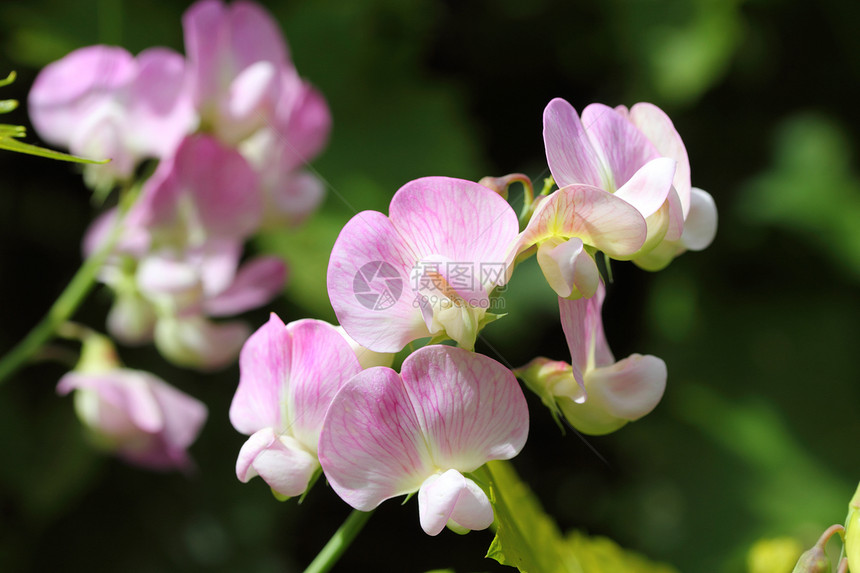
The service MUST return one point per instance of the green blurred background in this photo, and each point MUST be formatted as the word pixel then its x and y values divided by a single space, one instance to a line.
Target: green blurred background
pixel 757 435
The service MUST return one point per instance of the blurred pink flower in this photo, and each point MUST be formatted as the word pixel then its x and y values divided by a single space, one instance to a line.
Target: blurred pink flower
pixel 249 94
pixel 101 102
pixel 205 191
pixel 449 412
pixel 133 413
pixel 177 262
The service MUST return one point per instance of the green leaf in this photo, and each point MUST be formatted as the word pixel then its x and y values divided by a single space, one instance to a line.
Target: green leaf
pixel 602 555
pixel 526 537
pixel 8 133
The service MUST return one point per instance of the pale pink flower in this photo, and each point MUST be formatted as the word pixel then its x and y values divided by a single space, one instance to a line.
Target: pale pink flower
pixel 595 393
pixel 427 269
pixel 289 375
pixel 638 156
pixel 101 102
pixel 133 413
pixel 250 95
pixel 204 191
pixel 242 78
pixel 188 288
pixel 449 412
pixel 572 222
pixel 178 259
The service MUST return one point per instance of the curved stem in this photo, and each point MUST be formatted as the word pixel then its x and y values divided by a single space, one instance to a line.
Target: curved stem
pixel 339 542
pixel 62 309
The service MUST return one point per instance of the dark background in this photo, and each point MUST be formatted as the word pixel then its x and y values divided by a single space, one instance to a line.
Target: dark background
pixel 757 433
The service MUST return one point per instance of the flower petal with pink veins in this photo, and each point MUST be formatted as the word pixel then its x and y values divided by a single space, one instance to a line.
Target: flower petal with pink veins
pixel 385 435
pixel 622 148
pixel 454 218
pixel 597 217
pixel 264 366
pixel 583 330
pixel 469 407
pixel 289 375
pixel 257 282
pixel 372 447
pixel 451 498
pixel 572 158
pixel 322 362
pixel 280 460
pixel 658 128
pixel 368 284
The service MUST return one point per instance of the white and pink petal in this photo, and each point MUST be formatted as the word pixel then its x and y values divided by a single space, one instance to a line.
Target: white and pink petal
pixel 372 446
pixel 571 156
pixel 279 460
pixel 264 366
pixel 469 407
pixel 453 500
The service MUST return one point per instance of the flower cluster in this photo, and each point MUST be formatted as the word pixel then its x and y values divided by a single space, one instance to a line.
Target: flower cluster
pixel 430 270
pixel 232 126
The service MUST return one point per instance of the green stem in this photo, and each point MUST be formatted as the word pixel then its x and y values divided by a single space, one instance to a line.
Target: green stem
pixel 339 542
pixel 62 309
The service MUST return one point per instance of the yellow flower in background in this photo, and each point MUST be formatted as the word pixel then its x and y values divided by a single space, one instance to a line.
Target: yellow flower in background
pixel 776 555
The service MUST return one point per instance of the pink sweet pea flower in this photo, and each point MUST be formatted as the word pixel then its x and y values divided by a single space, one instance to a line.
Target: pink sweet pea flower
pixel 204 191
pixel 425 270
pixel 448 413
pixel 572 221
pixel 242 78
pixel 133 413
pixel 170 294
pixel 186 290
pixel 249 94
pixel 99 101
pixel 595 393
pixel 289 375
pixel 235 57
pixel 638 156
